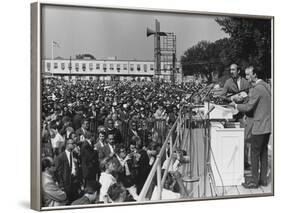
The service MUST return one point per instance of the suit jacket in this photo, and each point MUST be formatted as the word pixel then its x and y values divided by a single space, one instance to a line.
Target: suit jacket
pixel 230 86
pixel 143 134
pixel 260 105
pixel 63 171
pixel 52 194
pixel 89 161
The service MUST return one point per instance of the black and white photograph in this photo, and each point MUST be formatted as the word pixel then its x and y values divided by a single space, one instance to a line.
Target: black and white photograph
pixel 140 106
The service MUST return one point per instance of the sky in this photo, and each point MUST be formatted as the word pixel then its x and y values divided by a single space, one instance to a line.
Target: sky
pixel 121 33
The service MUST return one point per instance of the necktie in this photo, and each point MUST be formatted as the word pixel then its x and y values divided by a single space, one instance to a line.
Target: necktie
pixel 70 156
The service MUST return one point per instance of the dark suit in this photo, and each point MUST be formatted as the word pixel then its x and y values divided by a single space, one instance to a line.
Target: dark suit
pixel 230 86
pixel 260 105
pixel 143 169
pixel 64 176
pixel 143 134
pixel 90 162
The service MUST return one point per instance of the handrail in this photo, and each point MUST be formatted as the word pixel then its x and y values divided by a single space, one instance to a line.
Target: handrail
pixel 157 164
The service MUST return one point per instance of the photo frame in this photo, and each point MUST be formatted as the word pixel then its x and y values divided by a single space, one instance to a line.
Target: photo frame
pixel 144 62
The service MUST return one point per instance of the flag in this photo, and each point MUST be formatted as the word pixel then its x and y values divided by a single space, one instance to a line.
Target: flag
pixel 56 44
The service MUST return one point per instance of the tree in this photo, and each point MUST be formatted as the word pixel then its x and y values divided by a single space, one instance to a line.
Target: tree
pixel 206 58
pixel 251 41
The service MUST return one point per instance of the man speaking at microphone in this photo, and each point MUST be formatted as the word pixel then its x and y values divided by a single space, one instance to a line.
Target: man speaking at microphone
pixel 232 86
pixel 259 105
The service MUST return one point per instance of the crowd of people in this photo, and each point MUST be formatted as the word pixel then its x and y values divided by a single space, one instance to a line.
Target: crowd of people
pixel 101 139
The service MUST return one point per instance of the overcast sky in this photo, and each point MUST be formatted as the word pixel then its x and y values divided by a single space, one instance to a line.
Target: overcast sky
pixel 122 33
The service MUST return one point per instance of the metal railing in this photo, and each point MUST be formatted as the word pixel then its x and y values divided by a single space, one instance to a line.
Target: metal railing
pixel 172 141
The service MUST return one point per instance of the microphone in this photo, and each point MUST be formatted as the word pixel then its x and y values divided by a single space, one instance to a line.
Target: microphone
pixel 210 110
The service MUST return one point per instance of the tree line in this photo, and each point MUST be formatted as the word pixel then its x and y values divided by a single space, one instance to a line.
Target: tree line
pixel 249 43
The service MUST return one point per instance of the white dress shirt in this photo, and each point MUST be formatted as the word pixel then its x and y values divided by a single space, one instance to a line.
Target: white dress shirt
pixel 73 165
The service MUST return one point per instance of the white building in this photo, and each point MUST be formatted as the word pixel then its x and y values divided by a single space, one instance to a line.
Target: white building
pixel 106 70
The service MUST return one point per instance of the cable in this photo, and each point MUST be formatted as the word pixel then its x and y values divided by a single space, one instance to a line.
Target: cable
pixel 209 144
pixel 223 187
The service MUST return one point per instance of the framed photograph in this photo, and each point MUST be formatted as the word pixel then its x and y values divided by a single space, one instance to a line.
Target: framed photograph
pixel 140 106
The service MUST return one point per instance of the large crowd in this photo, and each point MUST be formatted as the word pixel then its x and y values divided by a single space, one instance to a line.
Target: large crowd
pixel 99 140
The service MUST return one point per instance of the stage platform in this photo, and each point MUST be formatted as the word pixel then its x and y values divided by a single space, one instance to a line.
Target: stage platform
pixel 196 189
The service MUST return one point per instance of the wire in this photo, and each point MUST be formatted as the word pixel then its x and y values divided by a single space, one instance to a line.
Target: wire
pixel 223 187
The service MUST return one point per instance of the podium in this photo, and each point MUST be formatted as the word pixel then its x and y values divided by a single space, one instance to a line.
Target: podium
pixel 227 160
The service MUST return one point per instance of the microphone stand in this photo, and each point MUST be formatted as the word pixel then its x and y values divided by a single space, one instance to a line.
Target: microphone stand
pixel 191 177
pixel 208 173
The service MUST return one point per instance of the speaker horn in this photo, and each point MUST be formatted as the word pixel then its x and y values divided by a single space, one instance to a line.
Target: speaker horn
pixel 149 32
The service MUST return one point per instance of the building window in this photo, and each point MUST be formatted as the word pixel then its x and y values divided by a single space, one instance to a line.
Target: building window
pixel 111 67
pixel 178 69
pixel 165 67
pixel 77 67
pixel 97 66
pixel 91 66
pixel 84 67
pixel 62 66
pixel 145 67
pixel 55 65
pixel 104 67
pixel 131 67
pixel 138 67
pixel 125 67
pixel 70 66
pixel 118 67
pixel 48 66
pixel 151 67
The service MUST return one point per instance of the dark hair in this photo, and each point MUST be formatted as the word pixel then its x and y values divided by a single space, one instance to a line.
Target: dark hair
pixel 115 190
pixel 84 120
pixel 237 66
pixel 46 163
pixel 92 186
pixel 102 132
pixel 71 134
pixel 119 147
pixel 88 135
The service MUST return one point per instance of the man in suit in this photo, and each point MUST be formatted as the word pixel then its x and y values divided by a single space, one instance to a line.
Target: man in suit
pixel 234 85
pixel 52 195
pixel 133 131
pixel 81 132
pixel 89 161
pixel 116 132
pixel 259 105
pixel 143 167
pixel 66 171
pixel 144 133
